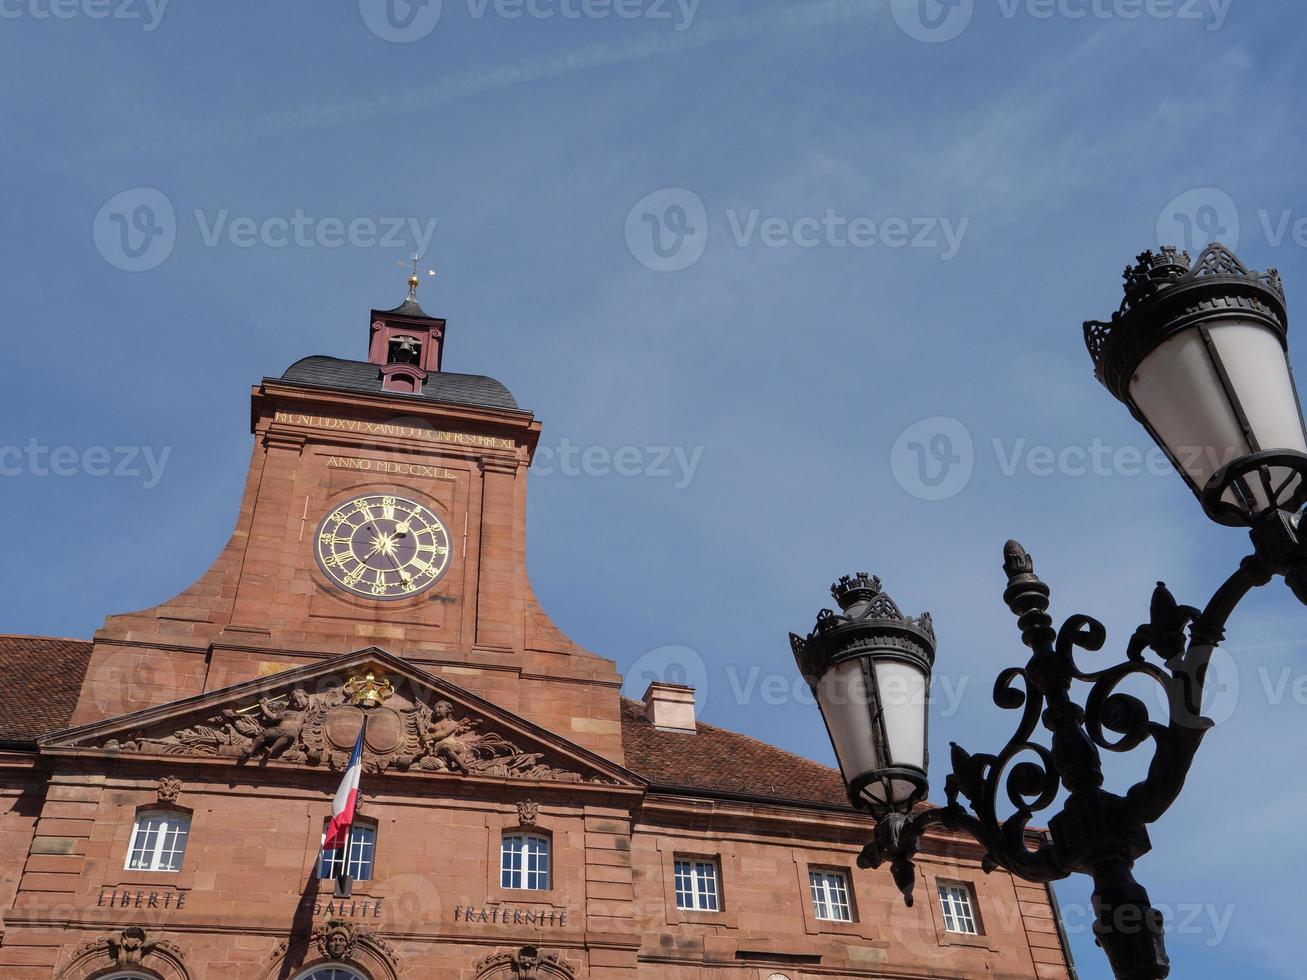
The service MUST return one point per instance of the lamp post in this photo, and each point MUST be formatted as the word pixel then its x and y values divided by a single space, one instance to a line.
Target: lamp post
pixel 1198 352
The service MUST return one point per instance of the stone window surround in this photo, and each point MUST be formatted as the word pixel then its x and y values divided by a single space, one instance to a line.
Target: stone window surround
pixel 728 868
pixel 376 847
pixel 116 874
pixel 809 909
pixel 931 882
pixel 379 886
pixel 809 860
pixel 506 824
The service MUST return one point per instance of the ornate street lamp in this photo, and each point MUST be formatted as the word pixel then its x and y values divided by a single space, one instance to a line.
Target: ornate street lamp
pixel 870 671
pixel 1199 356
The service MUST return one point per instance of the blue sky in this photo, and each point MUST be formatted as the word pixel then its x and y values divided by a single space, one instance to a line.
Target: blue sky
pixel 878 227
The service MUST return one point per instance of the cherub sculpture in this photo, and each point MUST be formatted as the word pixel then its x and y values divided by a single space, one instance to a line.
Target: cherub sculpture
pixel 443 738
pixel 282 725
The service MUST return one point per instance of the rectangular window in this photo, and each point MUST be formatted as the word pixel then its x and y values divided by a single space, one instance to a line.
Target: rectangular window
pixel 357 858
pixel 158 842
pixel 959 915
pixel 524 863
pixel 696 885
pixel 830 896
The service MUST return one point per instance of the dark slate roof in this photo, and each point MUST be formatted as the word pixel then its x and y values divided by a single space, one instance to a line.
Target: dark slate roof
pixel 321 371
pixel 43 679
pixel 716 760
pixel 409 308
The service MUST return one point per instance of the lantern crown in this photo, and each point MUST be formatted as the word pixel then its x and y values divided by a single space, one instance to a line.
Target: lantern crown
pixel 1165 291
pixel 869 618
pixel 851 589
pixel 1153 272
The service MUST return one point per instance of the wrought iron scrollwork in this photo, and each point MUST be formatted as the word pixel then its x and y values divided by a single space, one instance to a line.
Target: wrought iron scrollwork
pixel 1096 832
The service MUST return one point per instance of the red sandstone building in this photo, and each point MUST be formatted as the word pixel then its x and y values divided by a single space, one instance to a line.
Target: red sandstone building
pixel 166 785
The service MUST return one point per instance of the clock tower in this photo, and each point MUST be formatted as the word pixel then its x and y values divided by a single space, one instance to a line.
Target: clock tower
pixel 385 506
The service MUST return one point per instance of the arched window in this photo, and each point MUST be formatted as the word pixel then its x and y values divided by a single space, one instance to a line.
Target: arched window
pixel 331 971
pixel 158 841
pixel 128 976
pixel 524 862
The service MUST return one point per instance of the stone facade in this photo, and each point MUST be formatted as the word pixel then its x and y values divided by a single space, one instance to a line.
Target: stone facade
pixel 234 706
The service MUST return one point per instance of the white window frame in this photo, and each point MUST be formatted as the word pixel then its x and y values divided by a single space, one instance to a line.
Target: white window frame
pixel 832 899
pixel 957 904
pixel 697 884
pixel 527 859
pixel 361 851
pixel 173 826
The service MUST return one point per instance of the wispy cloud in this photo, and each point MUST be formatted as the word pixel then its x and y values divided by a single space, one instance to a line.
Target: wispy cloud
pixel 185 137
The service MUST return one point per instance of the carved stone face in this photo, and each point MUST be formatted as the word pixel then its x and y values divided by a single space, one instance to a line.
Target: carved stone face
pixel 338 944
pixel 299 700
pixel 528 961
pixel 443 710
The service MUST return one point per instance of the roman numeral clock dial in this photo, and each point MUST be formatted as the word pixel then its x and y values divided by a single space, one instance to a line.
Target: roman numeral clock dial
pixel 382 547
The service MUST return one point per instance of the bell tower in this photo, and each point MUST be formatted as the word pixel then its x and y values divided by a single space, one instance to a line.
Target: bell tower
pixel 406 342
pixel 385 506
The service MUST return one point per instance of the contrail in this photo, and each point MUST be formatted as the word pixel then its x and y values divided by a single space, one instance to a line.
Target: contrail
pixel 236 130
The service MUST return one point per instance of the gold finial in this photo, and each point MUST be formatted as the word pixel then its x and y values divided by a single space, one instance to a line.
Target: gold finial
pixel 414 280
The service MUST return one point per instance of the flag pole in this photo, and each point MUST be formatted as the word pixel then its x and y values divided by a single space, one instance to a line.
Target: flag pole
pixel 344 883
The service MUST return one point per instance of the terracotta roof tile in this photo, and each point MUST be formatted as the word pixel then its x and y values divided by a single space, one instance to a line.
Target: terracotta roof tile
pixel 44 676
pixel 43 679
pixel 720 761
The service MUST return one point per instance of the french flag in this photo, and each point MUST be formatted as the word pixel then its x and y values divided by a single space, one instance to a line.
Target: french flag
pixel 347 797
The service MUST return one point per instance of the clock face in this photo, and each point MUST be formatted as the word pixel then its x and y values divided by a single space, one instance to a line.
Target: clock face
pixel 383 547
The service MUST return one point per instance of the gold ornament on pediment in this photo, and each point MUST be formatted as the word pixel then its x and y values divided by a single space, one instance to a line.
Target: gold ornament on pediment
pixel 369 689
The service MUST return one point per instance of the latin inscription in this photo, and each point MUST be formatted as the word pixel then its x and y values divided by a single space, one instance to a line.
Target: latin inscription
pixel 398 431
pixel 389 466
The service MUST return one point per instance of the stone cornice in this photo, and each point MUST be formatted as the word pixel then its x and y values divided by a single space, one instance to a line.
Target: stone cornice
pixel 267 396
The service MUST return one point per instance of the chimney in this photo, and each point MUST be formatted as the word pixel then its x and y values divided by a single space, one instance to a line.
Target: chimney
pixel 670 707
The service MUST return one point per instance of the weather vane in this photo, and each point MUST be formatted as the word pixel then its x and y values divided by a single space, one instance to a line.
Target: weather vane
pixel 414 280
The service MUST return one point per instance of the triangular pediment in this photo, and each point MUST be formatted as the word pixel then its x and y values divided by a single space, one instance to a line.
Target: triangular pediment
pixel 417 723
